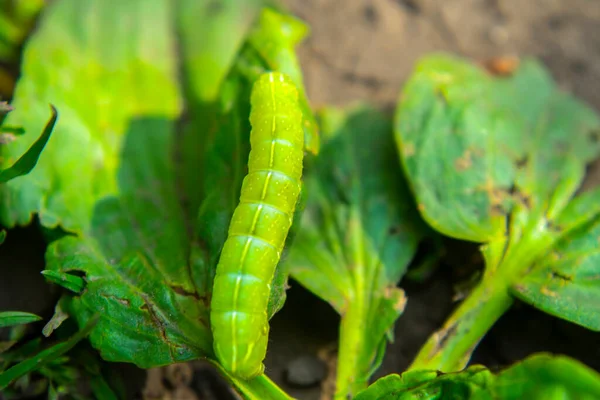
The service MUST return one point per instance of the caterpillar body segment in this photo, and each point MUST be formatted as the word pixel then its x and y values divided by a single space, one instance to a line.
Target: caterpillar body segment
pixel 259 227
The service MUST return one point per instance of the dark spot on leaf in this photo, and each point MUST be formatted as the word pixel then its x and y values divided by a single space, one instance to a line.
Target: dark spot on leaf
pixel 157 323
pixel 497 210
pixel 370 14
pixel 410 6
pixel 181 291
pixel 394 230
pixel 522 162
pixel 553 227
pixel 123 301
pixel 595 135
pixel 464 162
pixel 439 93
pixel 561 276
pixel 446 335
pixel 520 288
pixel 522 198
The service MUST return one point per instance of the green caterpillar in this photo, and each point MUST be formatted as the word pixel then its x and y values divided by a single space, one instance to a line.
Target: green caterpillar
pixel 259 227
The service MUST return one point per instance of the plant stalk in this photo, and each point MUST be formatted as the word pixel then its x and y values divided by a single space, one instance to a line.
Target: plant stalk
pixel 259 388
pixel 449 349
pixel 350 378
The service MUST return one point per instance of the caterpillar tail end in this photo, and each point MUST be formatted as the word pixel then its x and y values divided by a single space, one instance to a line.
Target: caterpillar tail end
pixel 241 364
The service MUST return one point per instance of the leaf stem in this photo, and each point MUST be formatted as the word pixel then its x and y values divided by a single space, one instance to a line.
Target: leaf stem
pixel 350 379
pixel 449 349
pixel 259 388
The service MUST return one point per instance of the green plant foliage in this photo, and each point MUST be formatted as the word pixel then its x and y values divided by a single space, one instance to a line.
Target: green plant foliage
pixel 101 74
pixel 39 360
pixel 11 318
pixel 147 191
pixel 210 48
pixel 29 368
pixel 28 161
pixel 16 19
pixel 73 283
pixel 539 377
pixel 358 234
pixel 499 160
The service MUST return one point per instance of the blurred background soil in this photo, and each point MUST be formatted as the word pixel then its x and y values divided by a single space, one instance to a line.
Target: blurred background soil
pixel 361 50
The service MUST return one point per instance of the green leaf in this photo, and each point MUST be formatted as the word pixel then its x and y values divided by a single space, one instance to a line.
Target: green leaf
pixel 539 377
pixel 566 282
pixel 44 357
pixel 27 161
pixel 100 74
pixel 73 283
pixel 358 234
pixel 494 160
pixel 153 302
pixel 152 193
pixel 209 48
pixel 148 268
pixel 11 318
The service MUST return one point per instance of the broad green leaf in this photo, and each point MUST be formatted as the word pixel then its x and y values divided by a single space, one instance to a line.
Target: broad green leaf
pixel 11 318
pixel 358 234
pixel 44 357
pixel 539 377
pixel 495 160
pixel 209 48
pixel 116 85
pixel 100 72
pixel 566 282
pixel 28 161
pixel 144 260
pixel 147 266
pixel 151 299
